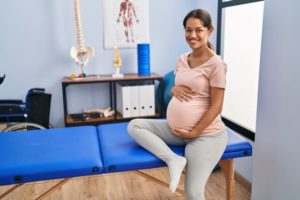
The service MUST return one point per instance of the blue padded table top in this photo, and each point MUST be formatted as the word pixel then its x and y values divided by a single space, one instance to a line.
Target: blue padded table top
pixel 121 153
pixel 49 154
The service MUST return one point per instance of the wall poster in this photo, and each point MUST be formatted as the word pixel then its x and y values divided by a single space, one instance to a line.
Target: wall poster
pixel 126 23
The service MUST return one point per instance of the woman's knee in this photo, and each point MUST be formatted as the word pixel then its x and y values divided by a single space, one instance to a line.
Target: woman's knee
pixel 133 125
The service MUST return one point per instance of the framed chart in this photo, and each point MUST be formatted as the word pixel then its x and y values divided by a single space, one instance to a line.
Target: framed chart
pixel 126 23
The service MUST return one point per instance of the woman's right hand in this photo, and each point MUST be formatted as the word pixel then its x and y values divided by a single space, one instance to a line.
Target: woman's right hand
pixel 182 93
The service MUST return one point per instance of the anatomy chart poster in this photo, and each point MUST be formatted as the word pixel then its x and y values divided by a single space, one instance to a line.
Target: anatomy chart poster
pixel 126 23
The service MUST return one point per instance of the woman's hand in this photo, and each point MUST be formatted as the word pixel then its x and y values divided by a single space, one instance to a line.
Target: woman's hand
pixel 182 93
pixel 186 134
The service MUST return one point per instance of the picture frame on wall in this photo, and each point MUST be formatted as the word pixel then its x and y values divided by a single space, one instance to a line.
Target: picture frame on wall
pixel 126 23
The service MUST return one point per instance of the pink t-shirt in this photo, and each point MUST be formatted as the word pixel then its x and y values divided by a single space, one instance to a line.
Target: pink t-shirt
pixel 186 115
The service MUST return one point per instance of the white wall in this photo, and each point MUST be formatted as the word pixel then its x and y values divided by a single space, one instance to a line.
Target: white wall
pixel 276 157
pixel 36 37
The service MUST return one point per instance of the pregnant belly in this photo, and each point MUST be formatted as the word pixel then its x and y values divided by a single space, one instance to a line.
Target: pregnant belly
pixel 185 115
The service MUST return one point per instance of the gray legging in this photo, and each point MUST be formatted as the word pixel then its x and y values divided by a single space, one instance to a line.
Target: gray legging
pixel 202 153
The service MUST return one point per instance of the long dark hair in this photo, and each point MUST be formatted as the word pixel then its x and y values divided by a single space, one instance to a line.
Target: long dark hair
pixel 202 15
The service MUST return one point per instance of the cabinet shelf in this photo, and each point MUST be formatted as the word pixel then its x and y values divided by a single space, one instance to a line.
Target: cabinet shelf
pixel 95 121
pixel 119 117
pixel 70 121
pixel 109 78
pixel 94 79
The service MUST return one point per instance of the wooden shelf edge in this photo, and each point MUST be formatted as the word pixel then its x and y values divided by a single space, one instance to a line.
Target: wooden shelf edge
pixel 109 78
pixel 120 117
pixel 71 122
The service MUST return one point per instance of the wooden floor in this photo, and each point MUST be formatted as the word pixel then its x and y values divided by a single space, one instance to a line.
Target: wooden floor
pixel 119 186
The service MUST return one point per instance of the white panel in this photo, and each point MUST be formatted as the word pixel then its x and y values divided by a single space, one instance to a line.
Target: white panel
pixel 241 52
pixel 135 101
pixel 143 100
pixel 123 99
pixel 150 99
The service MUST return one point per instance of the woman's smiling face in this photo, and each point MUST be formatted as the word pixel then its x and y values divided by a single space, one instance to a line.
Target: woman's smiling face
pixel 196 34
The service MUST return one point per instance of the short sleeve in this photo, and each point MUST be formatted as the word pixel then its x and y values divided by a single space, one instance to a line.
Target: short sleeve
pixel 218 75
pixel 181 63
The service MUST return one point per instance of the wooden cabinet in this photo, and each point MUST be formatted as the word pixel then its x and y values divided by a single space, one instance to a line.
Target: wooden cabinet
pixel 82 119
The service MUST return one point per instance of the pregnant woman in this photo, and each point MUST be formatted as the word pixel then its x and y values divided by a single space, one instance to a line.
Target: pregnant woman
pixel 193 114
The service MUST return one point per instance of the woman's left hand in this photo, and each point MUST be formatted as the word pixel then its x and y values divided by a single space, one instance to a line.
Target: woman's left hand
pixel 183 133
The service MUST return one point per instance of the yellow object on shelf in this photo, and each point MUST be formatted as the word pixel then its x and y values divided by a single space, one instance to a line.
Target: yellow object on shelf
pixel 118 60
pixel 117 63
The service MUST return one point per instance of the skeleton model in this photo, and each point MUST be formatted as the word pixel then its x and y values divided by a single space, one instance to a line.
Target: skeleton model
pixel 81 54
pixel 104 112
